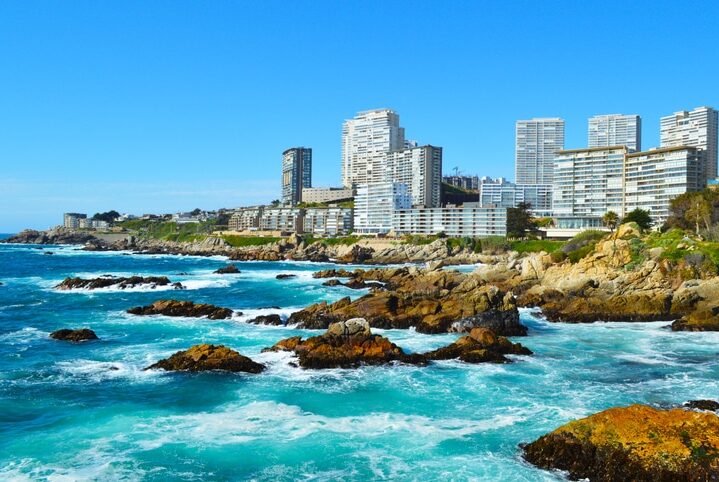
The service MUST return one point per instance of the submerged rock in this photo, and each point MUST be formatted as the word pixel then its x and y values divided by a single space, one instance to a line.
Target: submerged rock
pixel 67 334
pixel 183 308
pixel 285 276
pixel 208 357
pixel 346 344
pixel 116 282
pixel 229 269
pixel 481 345
pixel 637 443
pixel 709 405
pixel 272 319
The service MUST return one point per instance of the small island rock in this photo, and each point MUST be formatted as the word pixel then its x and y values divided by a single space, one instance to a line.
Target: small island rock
pixel 67 334
pixel 208 357
pixel 229 269
pixel 183 308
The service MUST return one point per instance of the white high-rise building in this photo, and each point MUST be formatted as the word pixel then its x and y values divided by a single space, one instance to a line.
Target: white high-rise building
pixel 537 143
pixel 616 130
pixel 375 205
pixel 420 168
pixel 696 128
pixel 366 141
pixel 502 193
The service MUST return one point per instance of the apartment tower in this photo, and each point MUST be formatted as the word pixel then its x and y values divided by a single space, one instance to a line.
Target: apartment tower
pixel 616 130
pixel 296 174
pixel 537 144
pixel 696 128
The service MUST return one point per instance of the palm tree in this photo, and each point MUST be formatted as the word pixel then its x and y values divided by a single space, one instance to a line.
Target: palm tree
pixel 610 220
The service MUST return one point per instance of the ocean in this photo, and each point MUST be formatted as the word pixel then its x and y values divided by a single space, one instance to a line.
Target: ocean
pixel 88 411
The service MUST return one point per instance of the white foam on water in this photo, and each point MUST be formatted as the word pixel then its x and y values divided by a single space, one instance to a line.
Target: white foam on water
pixel 97 371
pixel 23 336
pixel 282 423
pixel 89 465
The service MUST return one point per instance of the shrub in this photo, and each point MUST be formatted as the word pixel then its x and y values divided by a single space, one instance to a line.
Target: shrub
pixel 536 246
pixel 494 245
pixel 240 241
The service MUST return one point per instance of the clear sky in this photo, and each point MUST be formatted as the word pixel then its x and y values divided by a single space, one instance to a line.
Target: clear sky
pixel 162 106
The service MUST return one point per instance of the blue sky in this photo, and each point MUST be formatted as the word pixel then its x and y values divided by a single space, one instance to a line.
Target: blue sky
pixel 161 106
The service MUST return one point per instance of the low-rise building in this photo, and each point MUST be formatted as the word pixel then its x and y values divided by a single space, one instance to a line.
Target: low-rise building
pixel 375 205
pixel 326 194
pixel 72 220
pixel 284 219
pixel 330 221
pixel 245 219
pixel 469 220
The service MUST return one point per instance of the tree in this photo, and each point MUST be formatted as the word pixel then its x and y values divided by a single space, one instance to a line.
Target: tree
pixel 196 212
pixel 699 211
pixel 519 221
pixel 275 203
pixel 610 220
pixel 639 216
pixel 109 216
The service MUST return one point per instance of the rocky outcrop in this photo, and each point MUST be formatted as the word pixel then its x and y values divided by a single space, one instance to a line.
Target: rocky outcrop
pixel 285 276
pixel 115 282
pixel 51 236
pixel 68 334
pixel 208 357
pixel 430 301
pixel 272 319
pixel 481 345
pixel 637 443
pixel 229 269
pixel 708 405
pixel 183 308
pixel 345 344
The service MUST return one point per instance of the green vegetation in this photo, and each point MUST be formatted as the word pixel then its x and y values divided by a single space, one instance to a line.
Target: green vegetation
pixel 450 189
pixel 639 216
pixel 536 245
pixel 240 241
pixel 473 244
pixel 169 231
pixel 582 244
pixel 419 239
pixel 494 245
pixel 519 221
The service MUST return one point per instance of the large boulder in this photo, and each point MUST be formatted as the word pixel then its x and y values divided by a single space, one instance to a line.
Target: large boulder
pixel 345 345
pixel 75 335
pixel 481 345
pixel 183 308
pixel 229 269
pixel 271 319
pixel 637 443
pixel 208 357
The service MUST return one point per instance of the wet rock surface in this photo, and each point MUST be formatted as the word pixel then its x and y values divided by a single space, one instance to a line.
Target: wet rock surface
pixel 115 282
pixel 481 345
pixel 635 443
pixel 75 335
pixel 272 319
pixel 229 269
pixel 183 308
pixel 208 357
pixel 345 345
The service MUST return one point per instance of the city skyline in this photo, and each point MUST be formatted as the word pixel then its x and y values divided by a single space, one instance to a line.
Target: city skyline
pixel 200 94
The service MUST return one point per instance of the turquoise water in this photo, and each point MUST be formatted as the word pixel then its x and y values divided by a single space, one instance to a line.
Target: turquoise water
pixel 89 412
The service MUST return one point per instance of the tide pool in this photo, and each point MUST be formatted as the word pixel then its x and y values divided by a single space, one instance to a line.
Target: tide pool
pixel 89 412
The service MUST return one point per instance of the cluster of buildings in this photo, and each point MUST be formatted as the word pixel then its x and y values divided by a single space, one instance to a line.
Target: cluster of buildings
pixel 396 184
pixel 81 221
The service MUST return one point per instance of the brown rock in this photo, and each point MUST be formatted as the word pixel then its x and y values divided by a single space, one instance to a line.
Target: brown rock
pixel 637 443
pixel 229 269
pixel 208 357
pixel 481 345
pixel 183 308
pixel 75 335
pixel 107 281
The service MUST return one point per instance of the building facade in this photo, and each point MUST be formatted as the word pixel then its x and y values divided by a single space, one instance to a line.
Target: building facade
pixel 332 221
pixel 696 128
pixel 470 220
pixel 653 178
pixel 502 193
pixel 245 219
pixel 616 130
pixel 366 141
pixel 296 174
pixel 420 168
pixel 326 194
pixel 283 219
pixel 589 182
pixel 72 220
pixel 375 205
pixel 537 143
pixel 470 183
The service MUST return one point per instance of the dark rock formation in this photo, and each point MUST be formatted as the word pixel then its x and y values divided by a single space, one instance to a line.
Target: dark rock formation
pixel 481 345
pixel 52 236
pixel 183 308
pixel 208 357
pixel 107 281
pixel 229 269
pixel 332 282
pixel 709 405
pixel 285 276
pixel 272 319
pixel 67 334
pixel 345 345
pixel 635 443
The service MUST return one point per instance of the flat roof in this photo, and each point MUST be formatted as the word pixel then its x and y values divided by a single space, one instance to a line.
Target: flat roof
pixel 592 149
pixel 660 150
